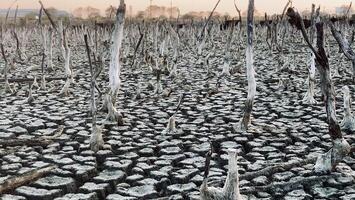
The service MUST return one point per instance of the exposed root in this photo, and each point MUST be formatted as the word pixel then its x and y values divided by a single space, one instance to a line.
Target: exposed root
pixel 35 83
pixel 230 191
pixel 113 115
pixel 328 161
pixel 242 126
pixel 30 98
pixel 309 96
pixel 66 88
pixel 7 87
pixel 173 71
pixel 170 128
pixel 96 141
pixel 43 83
pixel 226 70
pixel 158 88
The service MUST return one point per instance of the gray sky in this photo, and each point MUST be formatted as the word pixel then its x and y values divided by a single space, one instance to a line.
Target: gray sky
pixel 269 6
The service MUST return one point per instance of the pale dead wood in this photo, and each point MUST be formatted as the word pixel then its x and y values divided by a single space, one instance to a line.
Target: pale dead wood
pixel 16 181
pixel 41 141
pixel 276 168
pixel 245 121
pixel 202 34
pixel 23 80
pixel 341 148
pixel 288 186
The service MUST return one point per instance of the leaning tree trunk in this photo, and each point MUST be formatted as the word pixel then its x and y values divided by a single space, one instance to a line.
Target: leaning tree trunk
pixel 115 66
pixel 341 148
pixel 344 46
pixel 243 124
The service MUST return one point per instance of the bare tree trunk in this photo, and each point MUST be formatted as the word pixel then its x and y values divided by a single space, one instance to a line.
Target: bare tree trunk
pixel 66 55
pixel 227 53
pixel 348 122
pixel 50 49
pixel 341 148
pixel 240 23
pixel 309 96
pixel 344 46
pixel 231 190
pixel 115 66
pixel 96 141
pixel 6 69
pixel 243 124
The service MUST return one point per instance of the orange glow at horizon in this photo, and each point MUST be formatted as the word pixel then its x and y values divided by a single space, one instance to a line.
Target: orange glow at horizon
pixel 269 6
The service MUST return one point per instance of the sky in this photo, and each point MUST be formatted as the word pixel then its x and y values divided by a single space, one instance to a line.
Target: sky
pixel 269 6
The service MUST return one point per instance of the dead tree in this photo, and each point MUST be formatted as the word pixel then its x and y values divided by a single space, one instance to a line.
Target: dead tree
pixel 61 31
pixel 115 66
pixel 202 37
pixel 230 191
pixel 240 22
pixel 49 49
pixel 6 69
pixel 7 87
pixel 171 128
pixel 66 55
pixel 227 53
pixel 348 122
pixel 344 46
pixel 309 96
pixel 279 43
pixel 15 35
pixel 268 33
pixel 96 141
pixel 30 97
pixel 244 122
pixel 141 36
pixel 341 148
pixel 44 49
pixel 284 26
